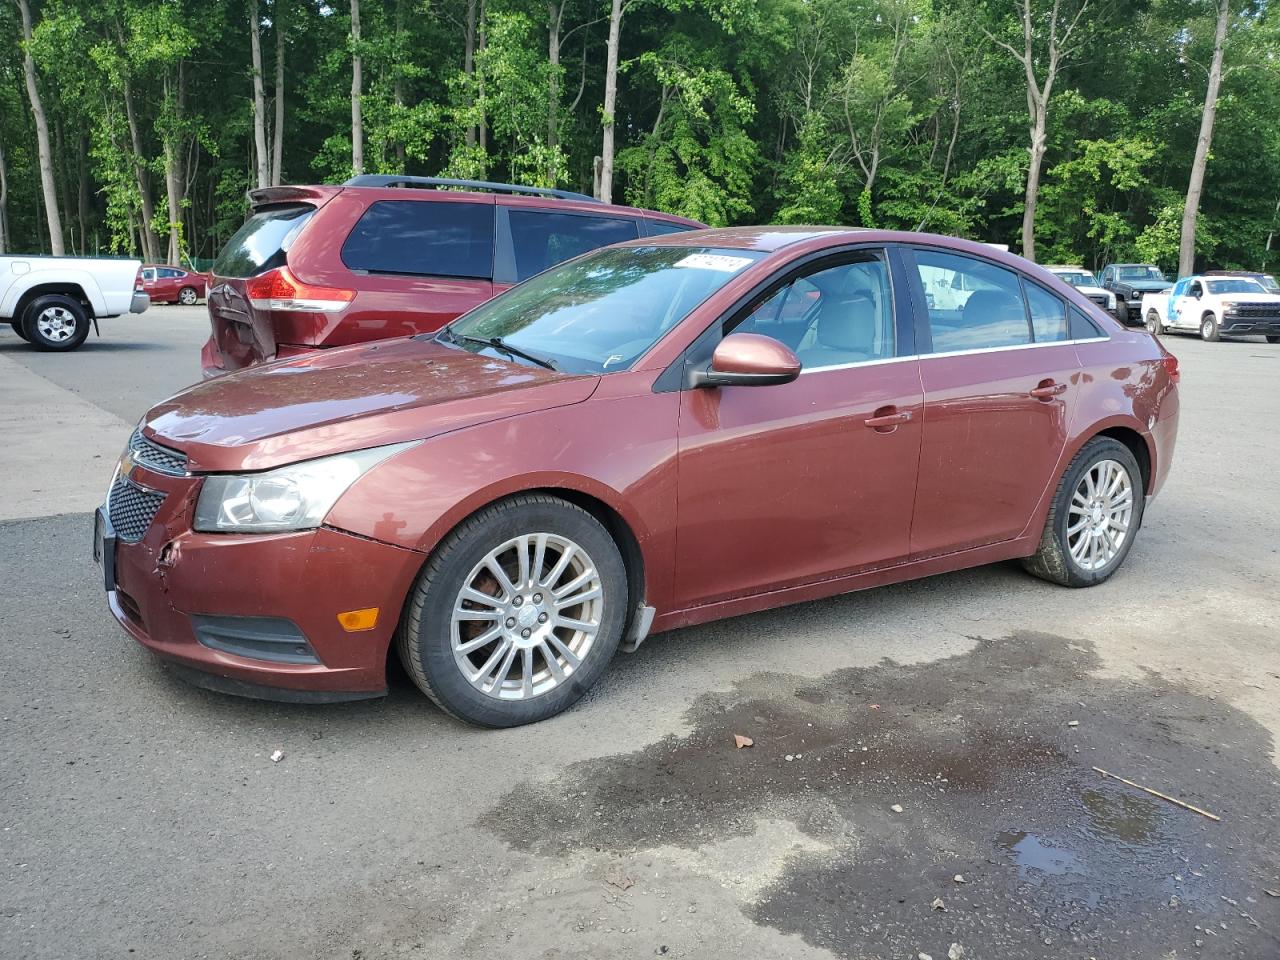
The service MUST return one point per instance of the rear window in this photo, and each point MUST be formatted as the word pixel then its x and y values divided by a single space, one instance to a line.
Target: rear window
pixel 423 238
pixel 263 241
pixel 544 239
pixel 658 228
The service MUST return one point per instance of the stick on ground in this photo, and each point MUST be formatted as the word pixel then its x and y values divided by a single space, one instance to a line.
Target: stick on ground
pixel 1162 796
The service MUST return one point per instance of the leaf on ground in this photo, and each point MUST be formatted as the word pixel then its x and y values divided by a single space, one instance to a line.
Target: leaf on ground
pixel 740 741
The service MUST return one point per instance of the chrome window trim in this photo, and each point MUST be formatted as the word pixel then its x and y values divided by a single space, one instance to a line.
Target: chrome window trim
pixel 949 353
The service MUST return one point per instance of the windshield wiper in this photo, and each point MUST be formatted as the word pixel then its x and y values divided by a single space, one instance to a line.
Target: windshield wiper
pixel 499 344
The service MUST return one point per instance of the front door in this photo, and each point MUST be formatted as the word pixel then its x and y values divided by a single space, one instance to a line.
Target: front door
pixel 1000 375
pixel 784 485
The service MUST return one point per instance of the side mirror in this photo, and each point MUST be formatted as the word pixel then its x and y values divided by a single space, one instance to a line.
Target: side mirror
pixel 748 360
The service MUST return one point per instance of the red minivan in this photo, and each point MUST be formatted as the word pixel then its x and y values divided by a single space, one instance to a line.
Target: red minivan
pixel 390 256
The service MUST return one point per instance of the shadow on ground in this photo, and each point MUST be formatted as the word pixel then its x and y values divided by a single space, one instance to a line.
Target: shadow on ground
pixel 995 785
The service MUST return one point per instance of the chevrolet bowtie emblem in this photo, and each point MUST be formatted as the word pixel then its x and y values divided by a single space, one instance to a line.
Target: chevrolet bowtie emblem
pixel 126 464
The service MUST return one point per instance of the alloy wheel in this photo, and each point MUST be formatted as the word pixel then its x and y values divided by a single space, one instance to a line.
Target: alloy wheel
pixel 1099 518
pixel 527 616
pixel 56 324
pixel 187 296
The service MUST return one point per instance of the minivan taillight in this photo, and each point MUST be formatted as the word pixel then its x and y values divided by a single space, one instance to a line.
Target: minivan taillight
pixel 280 290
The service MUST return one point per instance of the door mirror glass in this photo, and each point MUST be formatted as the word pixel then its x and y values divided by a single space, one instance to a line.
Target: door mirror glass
pixel 749 360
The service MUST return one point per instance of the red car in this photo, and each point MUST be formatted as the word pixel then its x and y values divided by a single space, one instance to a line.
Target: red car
pixel 386 256
pixel 653 435
pixel 164 284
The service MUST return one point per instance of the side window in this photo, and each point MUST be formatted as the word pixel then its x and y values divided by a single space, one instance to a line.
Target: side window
pixel 1107 275
pixel 1082 328
pixel 658 228
pixel 972 304
pixel 1048 315
pixel 423 238
pixel 148 274
pixel 831 317
pixel 1196 290
pixel 542 239
pixel 168 273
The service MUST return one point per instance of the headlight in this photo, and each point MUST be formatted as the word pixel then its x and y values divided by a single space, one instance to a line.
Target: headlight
pixel 1229 305
pixel 1111 300
pixel 296 497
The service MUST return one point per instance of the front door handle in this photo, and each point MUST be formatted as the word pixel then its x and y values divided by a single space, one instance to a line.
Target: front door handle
pixel 1048 389
pixel 888 419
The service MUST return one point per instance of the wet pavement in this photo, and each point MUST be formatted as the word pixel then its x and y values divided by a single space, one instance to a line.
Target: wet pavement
pixel 1008 843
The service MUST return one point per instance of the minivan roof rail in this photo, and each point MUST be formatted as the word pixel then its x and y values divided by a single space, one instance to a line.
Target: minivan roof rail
pixel 396 180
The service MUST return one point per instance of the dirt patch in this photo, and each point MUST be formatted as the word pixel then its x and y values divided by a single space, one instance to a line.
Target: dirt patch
pixel 995 785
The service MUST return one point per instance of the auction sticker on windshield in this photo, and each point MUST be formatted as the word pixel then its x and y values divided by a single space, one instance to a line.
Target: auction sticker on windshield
pixel 714 261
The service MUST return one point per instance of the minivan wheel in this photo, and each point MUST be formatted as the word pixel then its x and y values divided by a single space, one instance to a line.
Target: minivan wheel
pixel 187 296
pixel 55 322
pixel 1209 328
pixel 517 613
pixel 1095 514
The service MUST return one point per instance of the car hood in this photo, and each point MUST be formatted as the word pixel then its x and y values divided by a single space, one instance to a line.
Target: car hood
pixel 1146 286
pixel 1093 291
pixel 349 399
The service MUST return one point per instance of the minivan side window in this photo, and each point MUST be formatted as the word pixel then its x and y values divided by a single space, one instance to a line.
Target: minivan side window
pixel 423 238
pixel 972 304
pixel 542 239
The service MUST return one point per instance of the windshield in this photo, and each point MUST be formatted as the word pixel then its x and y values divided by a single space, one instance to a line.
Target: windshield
pixel 1235 285
pixel 599 313
pixel 1077 278
pixel 1140 273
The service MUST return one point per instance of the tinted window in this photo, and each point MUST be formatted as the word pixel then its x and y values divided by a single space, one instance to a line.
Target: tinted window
pixel 543 239
pixel 170 274
pixel 600 313
pixel 1048 315
pixel 262 242
pixel 831 317
pixel 424 238
pixel 1082 328
pixel 972 304
pixel 658 228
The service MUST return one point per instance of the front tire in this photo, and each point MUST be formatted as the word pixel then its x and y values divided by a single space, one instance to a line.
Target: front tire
pixel 187 296
pixel 517 613
pixel 19 327
pixel 1095 514
pixel 1122 312
pixel 1209 328
pixel 56 323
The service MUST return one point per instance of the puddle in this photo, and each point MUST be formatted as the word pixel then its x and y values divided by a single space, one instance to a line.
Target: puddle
pixel 993 785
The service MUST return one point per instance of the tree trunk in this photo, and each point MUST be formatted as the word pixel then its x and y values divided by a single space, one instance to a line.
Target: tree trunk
pixel 397 87
pixel 150 243
pixel 277 148
pixel 47 184
pixel 4 203
pixel 82 198
pixel 555 17
pixel 604 185
pixel 484 127
pixel 469 61
pixel 1195 186
pixel 173 170
pixel 357 91
pixel 263 164
pixel 1033 183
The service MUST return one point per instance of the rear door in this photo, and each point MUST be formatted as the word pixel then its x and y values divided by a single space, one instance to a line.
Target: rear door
pixel 531 239
pixel 1000 375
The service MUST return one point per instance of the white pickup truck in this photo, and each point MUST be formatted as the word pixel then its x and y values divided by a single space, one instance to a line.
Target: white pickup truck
pixel 51 301
pixel 1214 307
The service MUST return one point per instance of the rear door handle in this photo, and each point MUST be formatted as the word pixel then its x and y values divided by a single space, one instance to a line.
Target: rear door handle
pixel 887 418
pixel 1047 390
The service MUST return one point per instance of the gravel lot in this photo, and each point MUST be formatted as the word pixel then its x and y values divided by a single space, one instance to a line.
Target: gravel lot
pixel 140 817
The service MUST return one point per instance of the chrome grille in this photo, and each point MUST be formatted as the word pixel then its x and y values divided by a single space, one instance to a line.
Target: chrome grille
pixel 131 509
pixel 155 457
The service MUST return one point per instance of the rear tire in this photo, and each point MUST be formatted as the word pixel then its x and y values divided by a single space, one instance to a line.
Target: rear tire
pixel 1082 544
pixel 542 653
pixel 1209 328
pixel 187 296
pixel 1273 338
pixel 56 323
pixel 1154 326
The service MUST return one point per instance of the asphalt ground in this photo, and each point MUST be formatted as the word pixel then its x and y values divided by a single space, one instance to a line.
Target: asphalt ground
pixel 140 817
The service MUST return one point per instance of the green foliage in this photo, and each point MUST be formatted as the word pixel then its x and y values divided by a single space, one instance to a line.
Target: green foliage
pixel 893 113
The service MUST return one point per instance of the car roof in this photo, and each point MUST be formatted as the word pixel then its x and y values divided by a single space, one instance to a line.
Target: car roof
pixel 1066 266
pixel 765 239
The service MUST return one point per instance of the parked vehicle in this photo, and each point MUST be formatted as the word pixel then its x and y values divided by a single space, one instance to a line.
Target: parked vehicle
pixel 165 284
pixel 1215 306
pixel 1130 282
pixel 1086 283
pixel 1267 281
pixel 52 301
pixel 389 256
pixel 500 500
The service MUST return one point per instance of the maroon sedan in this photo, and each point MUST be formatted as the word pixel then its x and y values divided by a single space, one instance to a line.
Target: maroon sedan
pixel 649 436
pixel 172 284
